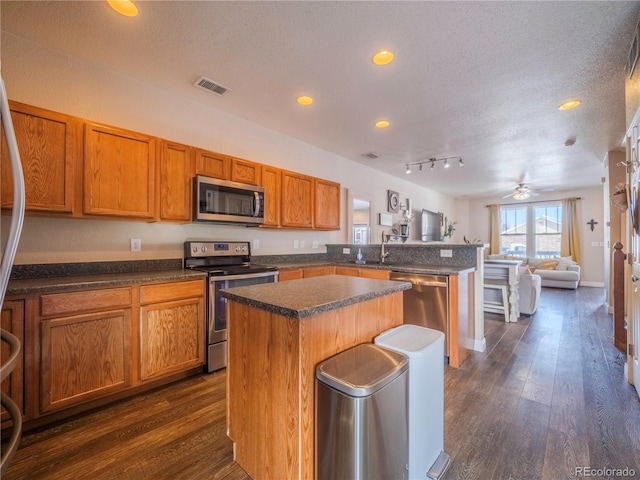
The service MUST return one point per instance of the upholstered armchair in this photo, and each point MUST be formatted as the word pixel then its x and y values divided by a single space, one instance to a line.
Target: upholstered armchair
pixel 529 288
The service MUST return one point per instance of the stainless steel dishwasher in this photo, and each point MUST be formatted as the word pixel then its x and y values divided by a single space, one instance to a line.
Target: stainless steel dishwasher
pixel 426 304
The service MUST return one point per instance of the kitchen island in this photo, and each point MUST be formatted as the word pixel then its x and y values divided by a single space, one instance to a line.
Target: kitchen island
pixel 277 334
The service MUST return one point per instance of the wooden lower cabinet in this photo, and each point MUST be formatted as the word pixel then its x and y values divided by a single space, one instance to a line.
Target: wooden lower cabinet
pixel 13 312
pixel 84 357
pixel 171 331
pixel 85 346
pixel 375 273
pixel 94 344
pixel 284 275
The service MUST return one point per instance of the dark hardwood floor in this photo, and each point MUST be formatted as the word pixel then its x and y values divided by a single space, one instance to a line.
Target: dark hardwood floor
pixel 546 397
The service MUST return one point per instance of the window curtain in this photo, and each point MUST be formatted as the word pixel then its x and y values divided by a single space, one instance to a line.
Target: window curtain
pixel 494 228
pixel 570 233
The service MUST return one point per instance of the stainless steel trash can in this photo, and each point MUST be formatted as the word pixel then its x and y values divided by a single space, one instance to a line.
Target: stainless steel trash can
pixel 362 415
pixel 425 349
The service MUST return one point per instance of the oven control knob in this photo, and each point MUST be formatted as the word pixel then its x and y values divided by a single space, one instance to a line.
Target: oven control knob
pixel 194 249
pixel 244 248
pixel 203 248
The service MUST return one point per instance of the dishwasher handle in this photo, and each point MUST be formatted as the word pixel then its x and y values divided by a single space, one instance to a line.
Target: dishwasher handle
pixel 417 281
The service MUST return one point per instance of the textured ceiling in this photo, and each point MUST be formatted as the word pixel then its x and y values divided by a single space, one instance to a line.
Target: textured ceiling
pixel 481 80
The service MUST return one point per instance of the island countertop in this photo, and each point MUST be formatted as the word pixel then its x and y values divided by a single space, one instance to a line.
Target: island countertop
pixel 309 296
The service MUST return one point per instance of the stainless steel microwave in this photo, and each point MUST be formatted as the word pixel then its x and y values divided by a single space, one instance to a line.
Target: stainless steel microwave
pixel 222 201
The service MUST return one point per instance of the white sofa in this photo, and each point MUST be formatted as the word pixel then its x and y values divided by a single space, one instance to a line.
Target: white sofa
pixel 559 272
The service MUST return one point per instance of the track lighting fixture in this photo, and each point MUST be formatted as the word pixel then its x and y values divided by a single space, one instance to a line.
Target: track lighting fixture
pixel 432 163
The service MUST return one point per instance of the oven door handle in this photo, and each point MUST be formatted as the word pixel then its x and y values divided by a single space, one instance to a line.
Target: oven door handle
pixel 246 275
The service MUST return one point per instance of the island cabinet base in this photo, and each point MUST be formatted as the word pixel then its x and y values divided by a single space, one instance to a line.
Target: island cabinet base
pixel 271 379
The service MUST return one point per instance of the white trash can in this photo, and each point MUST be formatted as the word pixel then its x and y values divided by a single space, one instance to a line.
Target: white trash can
pixel 425 349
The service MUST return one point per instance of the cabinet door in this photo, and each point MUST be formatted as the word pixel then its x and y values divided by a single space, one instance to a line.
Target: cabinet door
pixel 284 275
pixel 348 271
pixel 172 329
pixel 119 172
pixel 244 171
pixel 375 273
pixel 297 200
pixel 176 179
pixel 50 150
pixel 327 205
pixel 13 322
pixel 318 271
pixel 212 164
pixel 271 182
pixel 84 357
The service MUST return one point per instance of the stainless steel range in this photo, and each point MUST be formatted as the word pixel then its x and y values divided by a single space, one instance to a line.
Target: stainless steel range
pixel 228 265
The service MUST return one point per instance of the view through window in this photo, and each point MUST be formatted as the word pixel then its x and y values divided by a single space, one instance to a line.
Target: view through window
pixel 531 230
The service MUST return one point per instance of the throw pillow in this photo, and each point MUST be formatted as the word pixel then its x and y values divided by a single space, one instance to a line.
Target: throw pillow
pixel 547 265
pixel 564 263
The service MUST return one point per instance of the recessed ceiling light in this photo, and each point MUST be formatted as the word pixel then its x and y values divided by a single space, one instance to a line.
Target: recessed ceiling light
pixel 383 57
pixel 124 7
pixel 569 105
pixel 304 100
pixel 382 123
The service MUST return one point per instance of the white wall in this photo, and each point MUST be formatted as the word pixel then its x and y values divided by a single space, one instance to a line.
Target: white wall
pixel 590 207
pixel 37 75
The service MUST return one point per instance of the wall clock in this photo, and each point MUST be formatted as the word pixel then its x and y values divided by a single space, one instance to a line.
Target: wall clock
pixel 394 201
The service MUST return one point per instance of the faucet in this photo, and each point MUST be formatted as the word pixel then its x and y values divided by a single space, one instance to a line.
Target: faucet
pixel 383 254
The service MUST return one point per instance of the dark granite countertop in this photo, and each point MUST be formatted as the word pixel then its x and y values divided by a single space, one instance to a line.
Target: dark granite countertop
pixel 104 280
pixel 309 296
pixel 408 268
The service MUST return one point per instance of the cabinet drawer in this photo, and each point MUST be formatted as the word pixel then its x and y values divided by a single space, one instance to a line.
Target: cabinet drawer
pixel 76 302
pixel 171 291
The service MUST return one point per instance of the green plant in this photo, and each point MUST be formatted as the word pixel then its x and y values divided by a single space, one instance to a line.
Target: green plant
pixel 468 240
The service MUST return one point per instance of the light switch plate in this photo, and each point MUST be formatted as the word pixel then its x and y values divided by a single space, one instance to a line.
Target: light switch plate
pixel 346 250
pixel 446 253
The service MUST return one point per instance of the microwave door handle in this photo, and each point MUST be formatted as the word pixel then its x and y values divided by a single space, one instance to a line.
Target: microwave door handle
pixel 256 204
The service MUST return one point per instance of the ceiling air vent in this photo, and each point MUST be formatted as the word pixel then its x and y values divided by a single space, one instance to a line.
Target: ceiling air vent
pixel 370 155
pixel 211 86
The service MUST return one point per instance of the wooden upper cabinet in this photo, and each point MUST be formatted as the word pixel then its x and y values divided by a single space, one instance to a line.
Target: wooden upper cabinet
pixel 272 184
pixel 212 164
pixel 50 146
pixel 119 172
pixel 175 181
pixel 245 171
pixel 327 205
pixel 297 200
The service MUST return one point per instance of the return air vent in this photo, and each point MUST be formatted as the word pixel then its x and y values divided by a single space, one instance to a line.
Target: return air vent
pixel 211 86
pixel 370 155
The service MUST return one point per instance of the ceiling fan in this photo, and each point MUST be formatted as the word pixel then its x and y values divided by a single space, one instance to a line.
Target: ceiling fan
pixel 522 192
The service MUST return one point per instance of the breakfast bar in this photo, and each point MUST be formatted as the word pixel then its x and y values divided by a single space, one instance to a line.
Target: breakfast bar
pixel 277 334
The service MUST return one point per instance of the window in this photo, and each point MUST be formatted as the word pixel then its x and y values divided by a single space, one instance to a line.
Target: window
pixel 531 230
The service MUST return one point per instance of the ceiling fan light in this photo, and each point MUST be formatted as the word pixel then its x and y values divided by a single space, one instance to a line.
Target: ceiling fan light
pixel 408 171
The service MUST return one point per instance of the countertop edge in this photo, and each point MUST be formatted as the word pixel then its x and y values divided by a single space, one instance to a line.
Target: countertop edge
pixel 106 280
pixel 303 313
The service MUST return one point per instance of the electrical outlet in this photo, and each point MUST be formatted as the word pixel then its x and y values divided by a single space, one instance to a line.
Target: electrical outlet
pixel 296 244
pixel 302 243
pixel 346 250
pixel 136 244
pixel 315 244
pixel 255 244
pixel 446 253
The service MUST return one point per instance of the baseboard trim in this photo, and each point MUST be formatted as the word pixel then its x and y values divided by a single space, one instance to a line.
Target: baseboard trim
pixel 480 345
pixel 592 284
